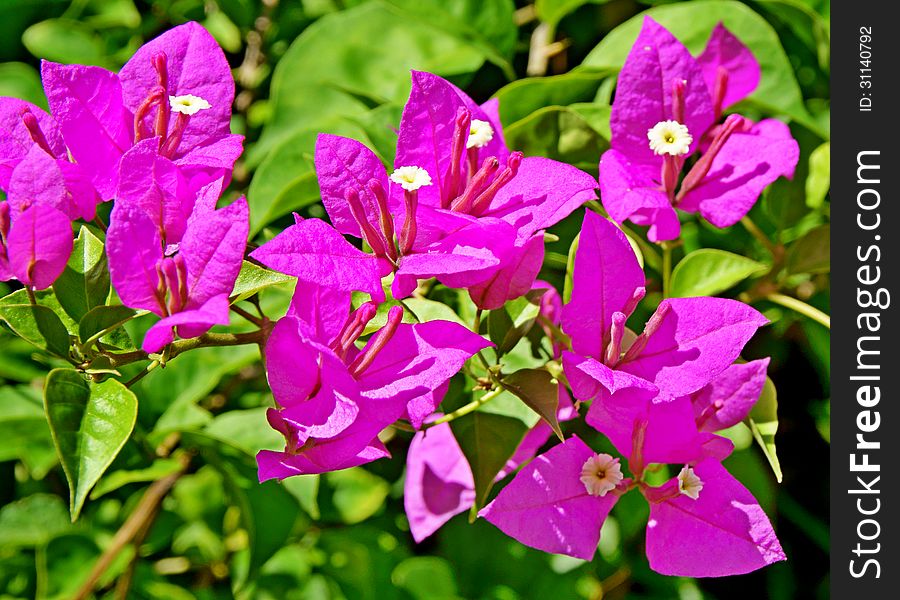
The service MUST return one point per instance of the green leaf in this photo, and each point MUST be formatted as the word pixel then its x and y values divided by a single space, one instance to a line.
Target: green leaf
pixel 354 78
pixel 24 430
pixel 426 578
pixel 37 324
pixel 509 324
pixel 818 182
pixel 305 488
pixel 65 40
pixel 562 133
pixel 245 429
pixel 570 269
pixel 253 279
pixel 358 494
pixel 763 423
pixel 692 23
pixel 525 96
pixel 709 271
pixel 104 317
pixel 428 310
pixel 540 391
pixel 488 27
pixel 160 468
pixel 812 252
pixel 32 521
pixel 18 80
pixel 552 11
pixel 90 423
pixel 84 283
pixel 487 440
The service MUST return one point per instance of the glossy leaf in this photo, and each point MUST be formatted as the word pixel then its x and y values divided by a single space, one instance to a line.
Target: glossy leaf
pixel 84 283
pixel 709 271
pixel 812 252
pixel 540 391
pixel 253 279
pixel 487 441
pixel 37 324
pixel 103 317
pixel 763 423
pixel 818 182
pixel 90 423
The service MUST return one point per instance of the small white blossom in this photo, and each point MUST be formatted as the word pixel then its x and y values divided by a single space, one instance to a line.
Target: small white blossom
pixel 670 137
pixel 689 484
pixel 411 178
pixel 188 104
pixel 601 474
pixel 480 133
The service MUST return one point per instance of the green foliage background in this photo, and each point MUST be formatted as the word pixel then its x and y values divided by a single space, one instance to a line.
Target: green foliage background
pixel 336 66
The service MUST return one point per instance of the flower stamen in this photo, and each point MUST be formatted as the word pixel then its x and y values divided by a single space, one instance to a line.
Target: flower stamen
pixel 600 474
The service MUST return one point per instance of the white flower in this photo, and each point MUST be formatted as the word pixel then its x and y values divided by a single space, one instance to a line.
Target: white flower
pixel 689 484
pixel 411 178
pixel 670 137
pixel 480 133
pixel 188 104
pixel 601 474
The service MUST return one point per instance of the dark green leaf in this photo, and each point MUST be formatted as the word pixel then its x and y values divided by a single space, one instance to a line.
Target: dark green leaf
pixel 812 252
pixel 552 11
pixel 709 271
pixel 84 284
pixel 103 317
pixel 763 423
pixel 37 324
pixel 540 391
pixel 18 80
pixel 90 423
pixel 487 441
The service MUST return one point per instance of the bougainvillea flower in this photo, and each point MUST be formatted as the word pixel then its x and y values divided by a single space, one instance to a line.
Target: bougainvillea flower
pixel 728 399
pixel 35 244
pixel 35 166
pixel 665 111
pixel 458 205
pixel 439 485
pixel 685 344
pixel 177 89
pixel 186 280
pixel 336 398
pixel 703 522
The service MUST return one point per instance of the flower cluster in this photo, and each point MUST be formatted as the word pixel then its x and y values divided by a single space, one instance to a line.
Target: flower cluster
pixel 156 138
pixel 667 112
pixel 458 207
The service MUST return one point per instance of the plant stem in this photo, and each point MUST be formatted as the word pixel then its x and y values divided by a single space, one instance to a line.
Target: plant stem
pixel 31 297
pixel 136 521
pixel 204 341
pixel 758 233
pixel 246 315
pixel 142 374
pixel 801 307
pixel 468 408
